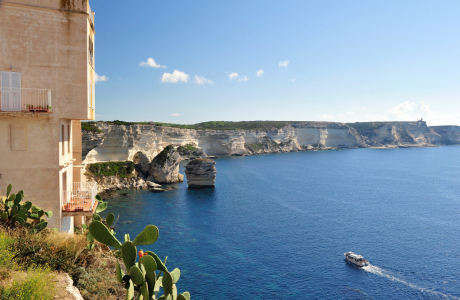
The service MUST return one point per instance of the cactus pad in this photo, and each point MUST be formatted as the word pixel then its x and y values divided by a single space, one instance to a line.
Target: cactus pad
pixel 148 236
pixel 128 253
pixel 103 235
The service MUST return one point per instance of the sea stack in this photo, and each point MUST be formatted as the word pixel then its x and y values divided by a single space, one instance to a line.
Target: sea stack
pixel 201 172
pixel 164 168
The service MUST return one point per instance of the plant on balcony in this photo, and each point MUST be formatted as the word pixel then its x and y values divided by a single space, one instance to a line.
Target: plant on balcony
pixel 27 215
pixel 38 108
pixel 142 276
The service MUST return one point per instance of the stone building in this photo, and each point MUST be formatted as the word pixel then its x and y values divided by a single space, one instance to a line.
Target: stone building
pixel 46 88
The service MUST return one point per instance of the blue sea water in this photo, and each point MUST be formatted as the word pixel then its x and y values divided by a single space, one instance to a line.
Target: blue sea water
pixel 276 226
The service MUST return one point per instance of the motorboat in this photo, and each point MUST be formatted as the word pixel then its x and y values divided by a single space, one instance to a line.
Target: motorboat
pixel 356 259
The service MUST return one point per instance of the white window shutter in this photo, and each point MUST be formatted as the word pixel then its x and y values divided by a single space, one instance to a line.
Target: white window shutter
pixel 5 84
pixel 15 80
pixel 15 84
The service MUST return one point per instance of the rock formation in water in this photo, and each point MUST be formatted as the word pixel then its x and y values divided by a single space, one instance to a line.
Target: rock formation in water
pixel 164 168
pixel 121 142
pixel 201 172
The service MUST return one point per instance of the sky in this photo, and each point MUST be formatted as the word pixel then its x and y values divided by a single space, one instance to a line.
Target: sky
pixel 293 60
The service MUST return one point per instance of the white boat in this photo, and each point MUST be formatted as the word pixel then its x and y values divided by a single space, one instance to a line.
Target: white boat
pixel 356 259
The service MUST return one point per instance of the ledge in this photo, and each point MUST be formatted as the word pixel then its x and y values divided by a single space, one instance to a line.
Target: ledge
pixel 15 114
pixel 86 212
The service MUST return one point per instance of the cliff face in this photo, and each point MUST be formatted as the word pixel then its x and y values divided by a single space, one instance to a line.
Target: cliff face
pixel 448 135
pixel 119 142
pixel 397 134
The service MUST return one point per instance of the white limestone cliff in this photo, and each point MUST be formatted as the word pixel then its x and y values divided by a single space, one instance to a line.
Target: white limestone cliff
pixel 119 142
pixel 123 142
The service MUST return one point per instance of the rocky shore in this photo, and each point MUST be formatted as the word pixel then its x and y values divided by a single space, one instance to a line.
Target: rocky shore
pixel 157 150
pixel 122 142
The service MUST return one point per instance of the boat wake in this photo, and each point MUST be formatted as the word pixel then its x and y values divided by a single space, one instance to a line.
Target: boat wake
pixel 378 271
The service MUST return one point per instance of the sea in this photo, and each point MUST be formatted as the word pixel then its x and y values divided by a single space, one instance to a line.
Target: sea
pixel 277 226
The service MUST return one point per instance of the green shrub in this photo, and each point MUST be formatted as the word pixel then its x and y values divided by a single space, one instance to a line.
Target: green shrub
pixel 34 282
pixel 116 168
pixel 6 256
pixel 186 149
pixel 257 146
pixel 89 126
pixel 37 284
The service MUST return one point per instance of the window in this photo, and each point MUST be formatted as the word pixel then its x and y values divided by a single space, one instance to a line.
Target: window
pixel 10 91
pixel 63 139
pixel 90 51
pixel 68 138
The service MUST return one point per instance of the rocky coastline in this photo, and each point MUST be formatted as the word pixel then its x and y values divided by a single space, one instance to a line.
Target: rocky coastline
pixel 123 142
pixel 157 150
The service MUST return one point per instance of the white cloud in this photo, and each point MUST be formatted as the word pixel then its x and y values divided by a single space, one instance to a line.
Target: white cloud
pixel 98 78
pixel 202 80
pixel 293 79
pixel 410 111
pixel 406 111
pixel 244 78
pixel 151 63
pixel 175 77
pixel 233 75
pixel 175 115
pixel 260 73
pixel 324 116
pixel 350 113
pixel 283 63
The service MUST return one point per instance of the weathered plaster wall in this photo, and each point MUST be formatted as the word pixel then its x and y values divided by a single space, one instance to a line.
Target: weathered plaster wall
pixel 46 41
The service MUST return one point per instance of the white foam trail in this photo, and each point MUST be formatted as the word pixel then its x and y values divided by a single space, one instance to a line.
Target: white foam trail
pixel 378 271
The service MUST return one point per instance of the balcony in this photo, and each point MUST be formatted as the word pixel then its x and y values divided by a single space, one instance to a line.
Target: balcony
pixel 15 100
pixel 81 200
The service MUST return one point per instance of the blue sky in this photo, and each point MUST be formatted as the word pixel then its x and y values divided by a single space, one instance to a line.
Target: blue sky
pixel 345 61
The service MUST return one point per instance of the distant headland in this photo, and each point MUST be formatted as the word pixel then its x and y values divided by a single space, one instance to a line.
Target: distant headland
pixel 120 141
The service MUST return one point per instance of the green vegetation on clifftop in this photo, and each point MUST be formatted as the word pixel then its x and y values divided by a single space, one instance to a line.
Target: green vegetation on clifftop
pixel 215 125
pixel 89 126
pixel 112 168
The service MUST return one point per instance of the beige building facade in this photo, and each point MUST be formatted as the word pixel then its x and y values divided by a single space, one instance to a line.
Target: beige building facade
pixel 46 89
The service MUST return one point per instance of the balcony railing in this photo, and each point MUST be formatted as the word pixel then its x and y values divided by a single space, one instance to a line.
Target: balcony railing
pixel 27 100
pixel 82 198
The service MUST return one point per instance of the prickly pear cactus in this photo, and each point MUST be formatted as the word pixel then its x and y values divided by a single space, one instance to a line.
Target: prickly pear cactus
pixel 13 212
pixel 144 278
